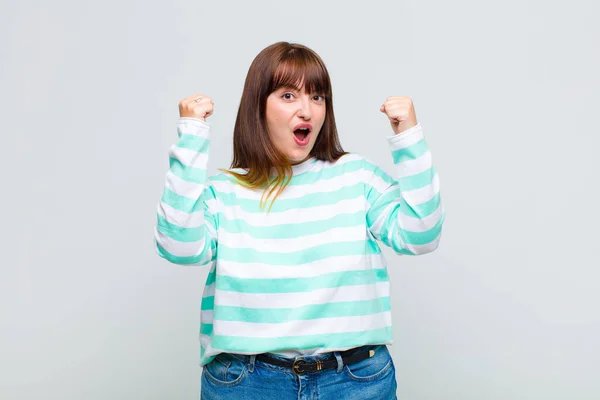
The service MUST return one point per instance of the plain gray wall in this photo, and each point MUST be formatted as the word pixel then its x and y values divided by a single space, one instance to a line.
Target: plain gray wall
pixel 507 93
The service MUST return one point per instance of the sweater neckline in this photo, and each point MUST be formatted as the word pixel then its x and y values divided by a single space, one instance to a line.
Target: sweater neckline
pixel 303 166
pixel 297 169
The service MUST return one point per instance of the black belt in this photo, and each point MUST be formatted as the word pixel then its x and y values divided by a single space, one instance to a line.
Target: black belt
pixel 300 366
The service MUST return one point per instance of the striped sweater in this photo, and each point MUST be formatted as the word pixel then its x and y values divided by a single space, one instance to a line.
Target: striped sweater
pixel 309 276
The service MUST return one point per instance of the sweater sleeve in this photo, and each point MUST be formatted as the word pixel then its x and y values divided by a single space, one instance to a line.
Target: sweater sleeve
pixel 186 230
pixel 406 214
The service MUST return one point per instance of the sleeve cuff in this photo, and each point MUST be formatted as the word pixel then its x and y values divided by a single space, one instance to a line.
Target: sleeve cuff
pixel 407 135
pixel 193 121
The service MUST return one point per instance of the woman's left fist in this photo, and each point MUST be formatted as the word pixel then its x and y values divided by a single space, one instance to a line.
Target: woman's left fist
pixel 401 112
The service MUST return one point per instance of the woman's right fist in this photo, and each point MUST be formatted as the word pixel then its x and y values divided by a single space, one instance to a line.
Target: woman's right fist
pixel 197 106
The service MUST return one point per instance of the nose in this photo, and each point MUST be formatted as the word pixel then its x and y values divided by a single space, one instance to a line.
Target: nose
pixel 305 111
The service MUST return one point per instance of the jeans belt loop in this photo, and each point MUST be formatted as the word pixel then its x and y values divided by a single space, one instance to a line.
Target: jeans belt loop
pixel 340 362
pixel 251 363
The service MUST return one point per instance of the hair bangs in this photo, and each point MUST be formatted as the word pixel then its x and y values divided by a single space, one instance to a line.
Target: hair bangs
pixel 298 69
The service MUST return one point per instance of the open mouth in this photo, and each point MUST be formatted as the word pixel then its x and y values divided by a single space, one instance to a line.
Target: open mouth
pixel 302 136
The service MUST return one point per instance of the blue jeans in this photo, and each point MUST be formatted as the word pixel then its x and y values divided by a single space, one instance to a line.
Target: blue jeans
pixel 235 376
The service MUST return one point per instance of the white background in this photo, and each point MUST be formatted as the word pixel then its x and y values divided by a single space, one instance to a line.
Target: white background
pixel 507 93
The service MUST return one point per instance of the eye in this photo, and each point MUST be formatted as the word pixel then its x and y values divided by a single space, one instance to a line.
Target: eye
pixel 287 93
pixel 319 97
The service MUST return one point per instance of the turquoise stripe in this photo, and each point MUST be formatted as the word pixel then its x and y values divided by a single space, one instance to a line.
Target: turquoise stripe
pixel 208 303
pixel 329 340
pixel 181 203
pixel 206 329
pixel 184 260
pixel 187 173
pixel 291 231
pixel 211 277
pixel 311 254
pixel 204 361
pixel 193 142
pixel 411 152
pixel 280 315
pixel 417 181
pixel 289 285
pixel 393 195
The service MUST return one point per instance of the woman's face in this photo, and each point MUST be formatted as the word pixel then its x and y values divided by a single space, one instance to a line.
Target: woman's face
pixel 289 109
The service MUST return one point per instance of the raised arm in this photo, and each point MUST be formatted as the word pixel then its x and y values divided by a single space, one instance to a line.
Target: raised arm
pixel 405 213
pixel 185 232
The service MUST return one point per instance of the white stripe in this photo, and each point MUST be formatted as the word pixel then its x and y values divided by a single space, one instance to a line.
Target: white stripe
pixel 296 191
pixel 293 300
pixel 180 218
pixel 189 157
pixel 209 290
pixel 293 216
pixel 414 167
pixel 206 316
pixel 346 159
pixel 415 196
pixel 307 270
pixel 190 190
pixel 321 326
pixel 290 245
pixel 181 249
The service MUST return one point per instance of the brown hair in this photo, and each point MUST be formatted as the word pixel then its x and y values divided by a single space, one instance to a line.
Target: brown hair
pixel 279 65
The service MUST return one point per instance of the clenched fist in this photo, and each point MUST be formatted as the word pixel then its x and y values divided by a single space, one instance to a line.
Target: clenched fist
pixel 401 113
pixel 197 106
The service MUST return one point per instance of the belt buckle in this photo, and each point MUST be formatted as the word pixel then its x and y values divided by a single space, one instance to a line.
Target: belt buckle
pixel 296 366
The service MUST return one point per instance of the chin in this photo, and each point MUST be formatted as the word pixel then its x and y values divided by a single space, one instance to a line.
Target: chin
pixel 298 157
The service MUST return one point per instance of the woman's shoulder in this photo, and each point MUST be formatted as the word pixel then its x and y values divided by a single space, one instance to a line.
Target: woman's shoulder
pixel 353 160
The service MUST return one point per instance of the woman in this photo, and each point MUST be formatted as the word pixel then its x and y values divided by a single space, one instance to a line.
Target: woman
pixel 296 303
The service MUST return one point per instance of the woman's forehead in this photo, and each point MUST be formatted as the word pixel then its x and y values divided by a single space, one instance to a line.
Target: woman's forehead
pixel 308 76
